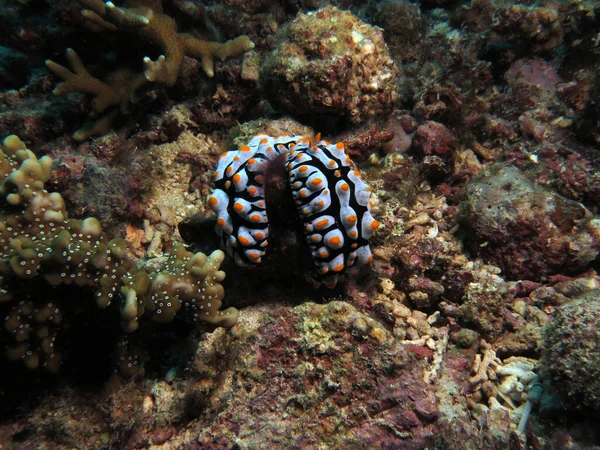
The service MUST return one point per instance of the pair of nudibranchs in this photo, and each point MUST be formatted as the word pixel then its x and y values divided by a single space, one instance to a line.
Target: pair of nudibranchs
pixel 332 201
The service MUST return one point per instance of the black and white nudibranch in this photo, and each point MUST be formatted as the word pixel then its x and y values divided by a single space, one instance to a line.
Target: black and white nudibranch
pixel 332 202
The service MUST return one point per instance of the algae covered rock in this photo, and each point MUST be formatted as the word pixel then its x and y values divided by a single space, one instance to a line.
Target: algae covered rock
pixel 330 65
pixel 572 353
pixel 526 230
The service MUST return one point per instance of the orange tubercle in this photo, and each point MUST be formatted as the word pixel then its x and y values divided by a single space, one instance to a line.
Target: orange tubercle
pixel 338 268
pixel 255 256
pixel 321 224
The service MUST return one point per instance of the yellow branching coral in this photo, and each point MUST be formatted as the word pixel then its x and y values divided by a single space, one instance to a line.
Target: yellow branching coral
pixel 123 87
pixel 41 248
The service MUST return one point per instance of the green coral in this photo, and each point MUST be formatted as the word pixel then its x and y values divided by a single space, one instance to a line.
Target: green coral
pixel 124 87
pixel 39 244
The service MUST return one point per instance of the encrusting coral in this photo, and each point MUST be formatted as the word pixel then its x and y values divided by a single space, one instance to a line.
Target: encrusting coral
pixel 40 248
pixel 123 87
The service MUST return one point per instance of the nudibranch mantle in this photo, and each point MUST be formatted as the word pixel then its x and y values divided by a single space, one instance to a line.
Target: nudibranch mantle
pixel 331 200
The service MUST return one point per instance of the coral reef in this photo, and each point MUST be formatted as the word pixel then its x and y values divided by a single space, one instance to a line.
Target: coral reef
pixel 321 389
pixel 476 124
pixel 337 65
pixel 123 87
pixel 41 248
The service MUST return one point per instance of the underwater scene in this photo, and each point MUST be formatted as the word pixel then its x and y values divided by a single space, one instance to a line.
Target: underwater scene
pixel 300 224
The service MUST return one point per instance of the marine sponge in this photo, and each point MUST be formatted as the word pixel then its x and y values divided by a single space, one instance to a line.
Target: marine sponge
pixel 330 65
pixel 124 87
pixel 331 200
pixel 41 248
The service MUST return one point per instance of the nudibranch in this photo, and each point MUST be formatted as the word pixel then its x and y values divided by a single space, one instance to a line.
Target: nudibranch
pixel 332 202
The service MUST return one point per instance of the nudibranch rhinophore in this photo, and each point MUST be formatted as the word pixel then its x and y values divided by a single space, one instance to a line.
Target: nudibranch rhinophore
pixel 332 201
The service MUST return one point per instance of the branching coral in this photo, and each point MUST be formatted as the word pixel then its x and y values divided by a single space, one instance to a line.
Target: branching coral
pixel 123 87
pixel 40 248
